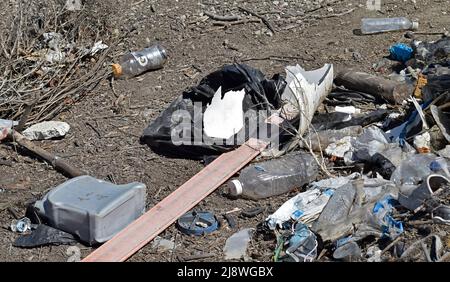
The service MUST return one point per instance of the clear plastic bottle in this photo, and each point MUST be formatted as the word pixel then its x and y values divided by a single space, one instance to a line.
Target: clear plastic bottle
pixel 136 63
pixel 274 177
pixel 377 25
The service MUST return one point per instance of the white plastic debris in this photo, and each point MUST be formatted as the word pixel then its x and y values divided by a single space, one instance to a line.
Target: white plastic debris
pixel 55 42
pixel 224 118
pixel 304 93
pixel 374 254
pixel 53 56
pixel 422 142
pixel 236 246
pixel 98 46
pixel 47 130
pixel 305 207
pixel 334 183
pixel 339 148
pixel 348 110
pixel 73 5
pixel 163 244
pixel 361 148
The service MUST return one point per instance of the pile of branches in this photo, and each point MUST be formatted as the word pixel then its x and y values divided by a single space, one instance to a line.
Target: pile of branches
pixel 48 60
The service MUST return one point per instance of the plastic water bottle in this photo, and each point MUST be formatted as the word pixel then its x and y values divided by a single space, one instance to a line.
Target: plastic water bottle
pixel 377 25
pixel 274 177
pixel 136 63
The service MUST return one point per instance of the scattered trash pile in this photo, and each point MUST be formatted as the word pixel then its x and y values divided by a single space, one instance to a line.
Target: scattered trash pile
pixel 52 55
pixel 368 155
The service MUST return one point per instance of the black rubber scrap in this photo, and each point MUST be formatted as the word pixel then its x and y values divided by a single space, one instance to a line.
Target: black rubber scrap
pixel 231 221
pixel 252 212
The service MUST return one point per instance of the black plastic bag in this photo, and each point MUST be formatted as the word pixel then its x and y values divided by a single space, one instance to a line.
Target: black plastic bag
pixel 260 94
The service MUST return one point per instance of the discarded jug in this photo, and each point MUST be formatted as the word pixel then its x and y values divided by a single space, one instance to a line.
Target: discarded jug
pixel 92 209
pixel 136 63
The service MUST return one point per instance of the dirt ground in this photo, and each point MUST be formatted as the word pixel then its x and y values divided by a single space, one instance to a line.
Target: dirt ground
pixel 305 34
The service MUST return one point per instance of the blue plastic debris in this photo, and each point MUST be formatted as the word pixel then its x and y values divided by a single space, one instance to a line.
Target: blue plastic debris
pixel 401 52
pixel 302 244
pixel 197 223
pixel 260 168
pixel 383 211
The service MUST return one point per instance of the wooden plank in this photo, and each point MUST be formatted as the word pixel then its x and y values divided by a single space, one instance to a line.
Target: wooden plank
pixel 148 226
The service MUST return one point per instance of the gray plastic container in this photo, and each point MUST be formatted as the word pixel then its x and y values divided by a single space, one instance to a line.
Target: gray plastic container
pixel 93 209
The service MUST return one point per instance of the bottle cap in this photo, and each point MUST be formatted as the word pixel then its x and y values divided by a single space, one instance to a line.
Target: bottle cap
pixel 235 188
pixel 117 70
pixel 163 52
pixel 415 26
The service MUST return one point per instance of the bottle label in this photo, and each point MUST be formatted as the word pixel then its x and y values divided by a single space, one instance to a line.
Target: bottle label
pixel 141 59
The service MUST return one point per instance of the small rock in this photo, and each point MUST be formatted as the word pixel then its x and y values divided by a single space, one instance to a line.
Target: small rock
pixel 47 130
pixel 357 56
pixel 73 5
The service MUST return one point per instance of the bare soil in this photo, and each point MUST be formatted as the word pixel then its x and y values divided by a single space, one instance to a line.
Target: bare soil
pixel 196 48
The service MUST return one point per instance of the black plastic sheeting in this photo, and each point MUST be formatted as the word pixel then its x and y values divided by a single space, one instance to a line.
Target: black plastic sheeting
pixel 437 52
pixel 341 96
pixel 337 120
pixel 260 94
pixel 44 235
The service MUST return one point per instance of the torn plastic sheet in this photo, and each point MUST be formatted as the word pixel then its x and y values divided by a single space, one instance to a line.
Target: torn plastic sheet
pixel 413 170
pixel 236 245
pixel 340 148
pixel 361 148
pixel 411 127
pixel 383 213
pixel 44 235
pixel 5 125
pixel 224 117
pixel 305 91
pixel 179 130
pixel 98 46
pixel 304 207
pixel 334 183
pixel 337 208
pixel 318 140
pixel 302 245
